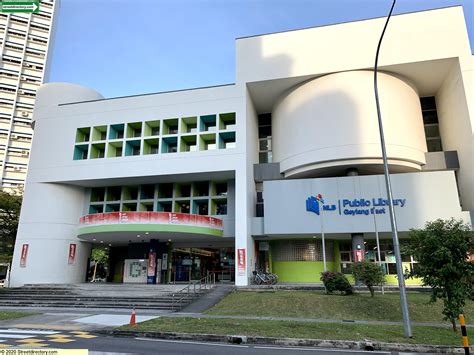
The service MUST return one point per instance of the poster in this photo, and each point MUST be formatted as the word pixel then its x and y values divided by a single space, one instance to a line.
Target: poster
pixel 24 254
pixel 72 253
pixel 151 264
pixel 241 262
pixel 359 255
pixel 164 265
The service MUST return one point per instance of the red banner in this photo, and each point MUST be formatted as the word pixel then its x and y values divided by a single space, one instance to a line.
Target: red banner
pixel 24 255
pixel 359 256
pixel 241 262
pixel 151 264
pixel 72 253
pixel 153 218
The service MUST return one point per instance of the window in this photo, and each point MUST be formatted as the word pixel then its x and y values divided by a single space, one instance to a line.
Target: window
pixel 431 124
pixel 265 138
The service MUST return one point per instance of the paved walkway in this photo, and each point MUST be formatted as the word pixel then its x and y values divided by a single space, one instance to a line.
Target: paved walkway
pixel 209 299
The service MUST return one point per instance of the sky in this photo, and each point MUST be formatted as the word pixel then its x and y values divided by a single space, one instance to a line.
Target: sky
pixel 129 47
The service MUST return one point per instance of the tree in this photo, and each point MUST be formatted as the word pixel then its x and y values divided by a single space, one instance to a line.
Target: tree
pixel 100 256
pixel 10 206
pixel 441 250
pixel 369 274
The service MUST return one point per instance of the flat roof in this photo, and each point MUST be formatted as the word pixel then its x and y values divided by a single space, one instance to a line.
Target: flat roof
pixel 252 36
pixel 345 22
pixel 147 94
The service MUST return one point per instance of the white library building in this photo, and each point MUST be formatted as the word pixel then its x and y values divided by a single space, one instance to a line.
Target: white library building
pixel 228 179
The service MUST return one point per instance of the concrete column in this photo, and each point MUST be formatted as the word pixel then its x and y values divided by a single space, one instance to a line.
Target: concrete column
pixel 358 250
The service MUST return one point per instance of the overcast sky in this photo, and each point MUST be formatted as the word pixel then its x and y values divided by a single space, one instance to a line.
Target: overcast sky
pixel 127 47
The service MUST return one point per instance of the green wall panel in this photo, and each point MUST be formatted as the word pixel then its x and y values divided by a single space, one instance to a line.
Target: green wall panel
pixel 300 271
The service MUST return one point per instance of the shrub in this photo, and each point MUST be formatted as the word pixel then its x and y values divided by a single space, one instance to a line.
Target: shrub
pixel 370 274
pixel 336 282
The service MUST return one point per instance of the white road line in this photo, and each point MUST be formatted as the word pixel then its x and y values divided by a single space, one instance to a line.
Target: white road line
pixel 21 331
pixel 67 314
pixel 15 336
pixel 194 342
pixel 320 349
pixel 2 341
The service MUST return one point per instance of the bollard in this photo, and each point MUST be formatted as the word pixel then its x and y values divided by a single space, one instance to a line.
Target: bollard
pixel 464 334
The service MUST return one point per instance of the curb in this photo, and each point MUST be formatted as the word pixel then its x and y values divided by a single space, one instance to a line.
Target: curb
pixel 318 343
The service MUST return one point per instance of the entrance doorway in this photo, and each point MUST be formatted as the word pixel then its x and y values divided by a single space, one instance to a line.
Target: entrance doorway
pixel 195 263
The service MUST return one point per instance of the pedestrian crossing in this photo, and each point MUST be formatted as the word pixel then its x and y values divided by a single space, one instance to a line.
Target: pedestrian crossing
pixel 32 338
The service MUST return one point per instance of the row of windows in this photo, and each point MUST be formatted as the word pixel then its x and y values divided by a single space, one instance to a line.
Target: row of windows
pixel 186 134
pixel 203 197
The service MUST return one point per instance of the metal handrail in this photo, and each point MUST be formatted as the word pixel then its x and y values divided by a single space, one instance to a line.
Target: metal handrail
pixel 208 281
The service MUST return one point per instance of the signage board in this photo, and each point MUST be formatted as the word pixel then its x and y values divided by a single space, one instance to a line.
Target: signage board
pixel 358 204
pixel 24 255
pixel 72 253
pixel 241 262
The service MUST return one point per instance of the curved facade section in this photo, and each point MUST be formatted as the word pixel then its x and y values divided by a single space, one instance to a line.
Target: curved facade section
pixel 330 124
pixel 53 94
pixel 167 222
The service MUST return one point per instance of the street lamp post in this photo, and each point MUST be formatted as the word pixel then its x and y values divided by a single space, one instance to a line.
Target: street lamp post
pixel 393 222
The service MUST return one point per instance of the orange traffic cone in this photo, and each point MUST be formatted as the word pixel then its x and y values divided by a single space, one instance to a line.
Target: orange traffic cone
pixel 133 320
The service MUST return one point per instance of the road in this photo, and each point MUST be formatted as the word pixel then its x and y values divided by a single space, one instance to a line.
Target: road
pixel 49 339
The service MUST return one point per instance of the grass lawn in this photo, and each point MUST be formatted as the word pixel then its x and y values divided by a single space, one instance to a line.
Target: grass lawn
pixel 5 315
pixel 294 329
pixel 316 304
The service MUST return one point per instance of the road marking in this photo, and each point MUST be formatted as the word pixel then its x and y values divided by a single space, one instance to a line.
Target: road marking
pixel 47 326
pixel 320 349
pixel 193 342
pixel 20 331
pixel 67 314
pixel 15 336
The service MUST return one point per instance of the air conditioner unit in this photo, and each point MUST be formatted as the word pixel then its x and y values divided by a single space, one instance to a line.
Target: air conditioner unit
pixel 23 77
pixel 14 136
pixel 24 113
pixel 17 168
pixel 25 152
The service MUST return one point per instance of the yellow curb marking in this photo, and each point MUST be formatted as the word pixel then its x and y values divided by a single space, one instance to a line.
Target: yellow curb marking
pixel 61 340
pixel 58 336
pixel 30 341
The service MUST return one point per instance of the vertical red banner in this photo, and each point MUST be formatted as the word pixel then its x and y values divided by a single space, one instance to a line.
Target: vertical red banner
pixel 24 255
pixel 359 256
pixel 241 262
pixel 151 264
pixel 72 253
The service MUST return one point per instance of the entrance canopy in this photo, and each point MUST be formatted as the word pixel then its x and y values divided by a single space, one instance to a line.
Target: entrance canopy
pixel 125 227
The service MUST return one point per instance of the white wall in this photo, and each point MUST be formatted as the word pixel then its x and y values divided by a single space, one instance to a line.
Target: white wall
pixel 332 121
pixel 55 129
pixel 455 106
pixel 409 38
pixel 48 224
pixel 427 196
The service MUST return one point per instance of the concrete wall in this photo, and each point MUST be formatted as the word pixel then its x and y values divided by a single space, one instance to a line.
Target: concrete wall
pixel 332 121
pixel 455 105
pixel 409 38
pixel 426 197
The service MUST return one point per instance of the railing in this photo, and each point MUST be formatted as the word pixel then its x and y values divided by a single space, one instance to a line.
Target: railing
pixel 193 289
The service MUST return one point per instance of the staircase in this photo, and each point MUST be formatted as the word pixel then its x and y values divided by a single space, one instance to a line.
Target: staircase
pixel 118 296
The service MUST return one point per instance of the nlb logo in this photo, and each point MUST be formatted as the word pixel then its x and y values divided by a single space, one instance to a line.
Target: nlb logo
pixel 352 207
pixel 312 203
